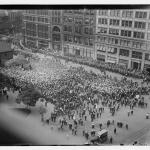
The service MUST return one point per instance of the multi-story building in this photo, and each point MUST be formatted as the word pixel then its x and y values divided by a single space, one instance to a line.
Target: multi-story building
pixel 5 25
pixel 123 36
pixel 79 32
pixel 37 28
pixel 15 18
pixel 115 36
pixel 68 31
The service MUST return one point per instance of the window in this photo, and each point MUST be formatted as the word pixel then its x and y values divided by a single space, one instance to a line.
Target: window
pixel 43 31
pixel 114 31
pixel 30 29
pixel 103 12
pixel 114 22
pixel 102 21
pixel 127 14
pixel 141 14
pixel 148 26
pixel 115 13
pixel 126 23
pixel 102 30
pixel 78 39
pixel 136 54
pixel 126 33
pixel 139 35
pixel 124 52
pixel 148 36
pixel 112 50
pixel 86 41
pixel 90 42
pixel 140 25
pixel 56 37
pixel 126 43
pixel 67 28
pixel 78 20
pixel 138 44
pixel 112 41
pixel 78 29
pixel 147 56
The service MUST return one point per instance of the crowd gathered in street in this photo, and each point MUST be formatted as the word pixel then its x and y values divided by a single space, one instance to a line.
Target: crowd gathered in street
pixel 78 95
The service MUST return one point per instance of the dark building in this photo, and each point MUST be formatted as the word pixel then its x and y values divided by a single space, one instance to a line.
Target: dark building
pixel 5 25
pixel 15 18
pixel 70 32
pixel 6 52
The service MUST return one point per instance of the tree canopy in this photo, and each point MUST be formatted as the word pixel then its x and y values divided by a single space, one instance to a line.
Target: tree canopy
pixel 29 96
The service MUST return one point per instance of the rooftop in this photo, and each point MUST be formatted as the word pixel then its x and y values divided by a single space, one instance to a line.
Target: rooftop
pixel 5 46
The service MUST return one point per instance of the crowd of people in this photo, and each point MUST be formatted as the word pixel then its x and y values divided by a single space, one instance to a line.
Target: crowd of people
pixel 113 67
pixel 77 94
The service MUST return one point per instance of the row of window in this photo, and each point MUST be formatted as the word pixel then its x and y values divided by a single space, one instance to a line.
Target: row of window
pixel 41 19
pixel 56 20
pixel 125 33
pixel 38 12
pixel 122 42
pixel 123 13
pixel 124 23
pixel 80 12
pixel 87 21
pixel 78 29
pixel 122 52
pixel 78 40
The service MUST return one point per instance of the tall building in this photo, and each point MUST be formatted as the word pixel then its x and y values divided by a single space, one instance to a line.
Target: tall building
pixel 115 36
pixel 15 18
pixel 72 32
pixel 79 32
pixel 123 36
pixel 5 25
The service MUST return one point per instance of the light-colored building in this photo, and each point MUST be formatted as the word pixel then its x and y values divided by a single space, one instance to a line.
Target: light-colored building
pixel 123 37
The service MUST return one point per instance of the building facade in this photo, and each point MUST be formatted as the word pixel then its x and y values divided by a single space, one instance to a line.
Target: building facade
pixel 123 36
pixel 6 52
pixel 5 25
pixel 71 32
pixel 115 36
pixel 79 32
pixel 15 18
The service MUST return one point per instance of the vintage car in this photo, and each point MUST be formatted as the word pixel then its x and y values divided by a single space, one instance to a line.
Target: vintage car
pixel 100 137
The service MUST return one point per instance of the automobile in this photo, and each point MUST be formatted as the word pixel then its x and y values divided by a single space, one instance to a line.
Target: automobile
pixel 100 137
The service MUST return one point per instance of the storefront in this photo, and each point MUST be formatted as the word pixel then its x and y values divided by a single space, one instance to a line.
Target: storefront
pixel 70 49
pixel 146 66
pixel 42 44
pixel 123 62
pixel 136 65
pixel 111 59
pixel 100 57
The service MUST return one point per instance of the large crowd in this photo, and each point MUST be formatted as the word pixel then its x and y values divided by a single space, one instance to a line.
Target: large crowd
pixel 75 91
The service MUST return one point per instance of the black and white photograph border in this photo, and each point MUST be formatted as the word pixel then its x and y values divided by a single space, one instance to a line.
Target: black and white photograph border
pixel 75 75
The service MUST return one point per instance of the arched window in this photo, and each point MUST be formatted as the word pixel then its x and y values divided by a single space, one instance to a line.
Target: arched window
pixel 56 29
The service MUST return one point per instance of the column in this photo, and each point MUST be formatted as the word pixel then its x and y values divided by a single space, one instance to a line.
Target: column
pixel 117 55
pixel 143 60
pixel 130 56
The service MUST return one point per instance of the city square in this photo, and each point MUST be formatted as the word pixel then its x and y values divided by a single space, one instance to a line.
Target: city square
pixel 74 96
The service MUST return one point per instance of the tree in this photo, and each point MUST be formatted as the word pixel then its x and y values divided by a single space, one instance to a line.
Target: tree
pixel 29 96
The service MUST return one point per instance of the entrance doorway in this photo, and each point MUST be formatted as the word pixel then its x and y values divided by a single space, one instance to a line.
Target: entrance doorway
pixel 136 65
pixel 77 52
